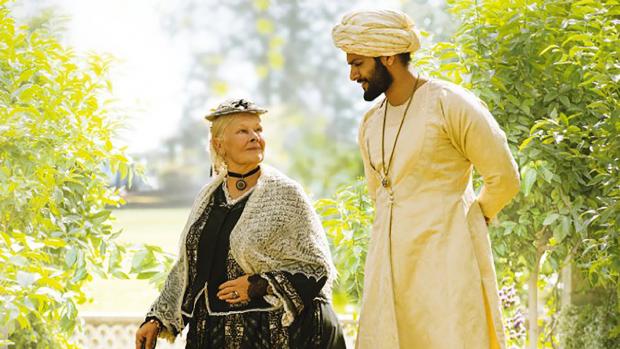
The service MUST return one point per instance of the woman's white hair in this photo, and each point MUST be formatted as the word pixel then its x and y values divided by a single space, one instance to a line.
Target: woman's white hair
pixel 218 126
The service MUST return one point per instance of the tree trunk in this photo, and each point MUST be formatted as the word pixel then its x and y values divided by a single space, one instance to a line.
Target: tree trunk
pixel 532 287
pixel 567 289
pixel 567 283
pixel 532 290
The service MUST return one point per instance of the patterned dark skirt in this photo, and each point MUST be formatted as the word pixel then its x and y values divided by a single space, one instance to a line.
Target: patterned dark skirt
pixel 316 327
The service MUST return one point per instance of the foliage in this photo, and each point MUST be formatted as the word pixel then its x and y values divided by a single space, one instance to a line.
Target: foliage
pixel 347 219
pixel 590 326
pixel 56 153
pixel 563 117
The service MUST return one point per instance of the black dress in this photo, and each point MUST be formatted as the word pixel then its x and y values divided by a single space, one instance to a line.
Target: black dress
pixel 256 324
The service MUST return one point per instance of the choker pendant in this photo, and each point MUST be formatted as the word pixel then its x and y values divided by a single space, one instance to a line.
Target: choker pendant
pixel 241 184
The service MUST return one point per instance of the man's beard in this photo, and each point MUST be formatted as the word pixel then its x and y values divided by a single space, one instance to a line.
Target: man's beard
pixel 378 82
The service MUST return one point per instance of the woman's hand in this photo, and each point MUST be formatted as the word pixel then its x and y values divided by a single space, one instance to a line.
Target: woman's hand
pixel 146 335
pixel 235 291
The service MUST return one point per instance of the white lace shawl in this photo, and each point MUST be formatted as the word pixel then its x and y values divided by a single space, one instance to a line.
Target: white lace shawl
pixel 277 231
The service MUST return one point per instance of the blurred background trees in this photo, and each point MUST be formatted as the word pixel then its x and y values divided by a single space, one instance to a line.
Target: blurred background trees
pixel 280 54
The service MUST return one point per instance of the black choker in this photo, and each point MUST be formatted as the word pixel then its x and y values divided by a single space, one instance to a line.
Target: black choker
pixel 241 183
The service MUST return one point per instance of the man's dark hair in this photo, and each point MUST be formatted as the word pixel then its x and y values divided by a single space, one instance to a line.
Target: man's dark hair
pixel 404 57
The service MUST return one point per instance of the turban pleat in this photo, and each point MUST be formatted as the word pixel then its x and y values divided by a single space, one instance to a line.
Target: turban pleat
pixel 375 33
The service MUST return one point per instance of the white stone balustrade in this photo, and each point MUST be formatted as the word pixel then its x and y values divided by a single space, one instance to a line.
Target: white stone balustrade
pixel 117 331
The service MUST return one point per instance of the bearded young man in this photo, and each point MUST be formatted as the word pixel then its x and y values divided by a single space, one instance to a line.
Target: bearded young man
pixel 429 275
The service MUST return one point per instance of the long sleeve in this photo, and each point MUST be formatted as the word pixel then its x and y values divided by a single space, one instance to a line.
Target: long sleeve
pixel 479 138
pixel 164 307
pixel 297 289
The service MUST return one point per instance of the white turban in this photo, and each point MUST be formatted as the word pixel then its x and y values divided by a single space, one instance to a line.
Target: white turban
pixel 375 33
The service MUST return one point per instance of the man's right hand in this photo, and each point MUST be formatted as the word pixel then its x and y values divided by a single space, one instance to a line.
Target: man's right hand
pixel 146 336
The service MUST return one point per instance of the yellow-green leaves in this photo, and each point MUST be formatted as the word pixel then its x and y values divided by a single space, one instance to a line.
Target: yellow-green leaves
pixel 56 153
pixel 347 219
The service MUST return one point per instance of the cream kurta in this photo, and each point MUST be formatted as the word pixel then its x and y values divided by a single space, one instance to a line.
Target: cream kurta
pixel 430 283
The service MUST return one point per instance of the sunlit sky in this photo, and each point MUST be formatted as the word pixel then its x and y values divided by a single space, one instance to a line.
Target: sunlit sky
pixel 149 76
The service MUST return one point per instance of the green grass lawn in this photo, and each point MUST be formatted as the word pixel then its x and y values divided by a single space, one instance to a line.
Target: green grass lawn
pixel 161 227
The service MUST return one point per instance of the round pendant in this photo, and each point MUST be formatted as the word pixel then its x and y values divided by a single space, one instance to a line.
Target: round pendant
pixel 385 182
pixel 241 185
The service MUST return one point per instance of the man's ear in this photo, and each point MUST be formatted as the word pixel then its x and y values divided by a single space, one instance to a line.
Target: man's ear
pixel 387 60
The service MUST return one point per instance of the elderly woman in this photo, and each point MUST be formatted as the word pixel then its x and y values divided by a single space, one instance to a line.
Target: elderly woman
pixel 254 268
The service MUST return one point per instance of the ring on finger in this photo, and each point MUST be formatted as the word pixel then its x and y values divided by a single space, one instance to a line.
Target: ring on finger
pixel 234 294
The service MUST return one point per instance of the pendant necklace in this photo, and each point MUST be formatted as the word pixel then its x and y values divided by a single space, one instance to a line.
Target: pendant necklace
pixel 386 170
pixel 241 184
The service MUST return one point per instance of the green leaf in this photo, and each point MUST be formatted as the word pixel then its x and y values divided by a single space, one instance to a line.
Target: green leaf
pixel 551 218
pixel 547 49
pixel 25 279
pixel 561 232
pixel 147 275
pixel 538 125
pixel 54 242
pixel 141 260
pixel 528 180
pixel 80 274
pixel 585 38
pixel 525 143
pixel 120 275
pixel 565 101
pixel 71 257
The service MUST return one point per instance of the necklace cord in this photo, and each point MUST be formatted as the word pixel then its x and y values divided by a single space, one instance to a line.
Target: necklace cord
pixel 386 170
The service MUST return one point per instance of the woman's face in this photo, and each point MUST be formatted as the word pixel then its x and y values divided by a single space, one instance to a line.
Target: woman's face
pixel 242 144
